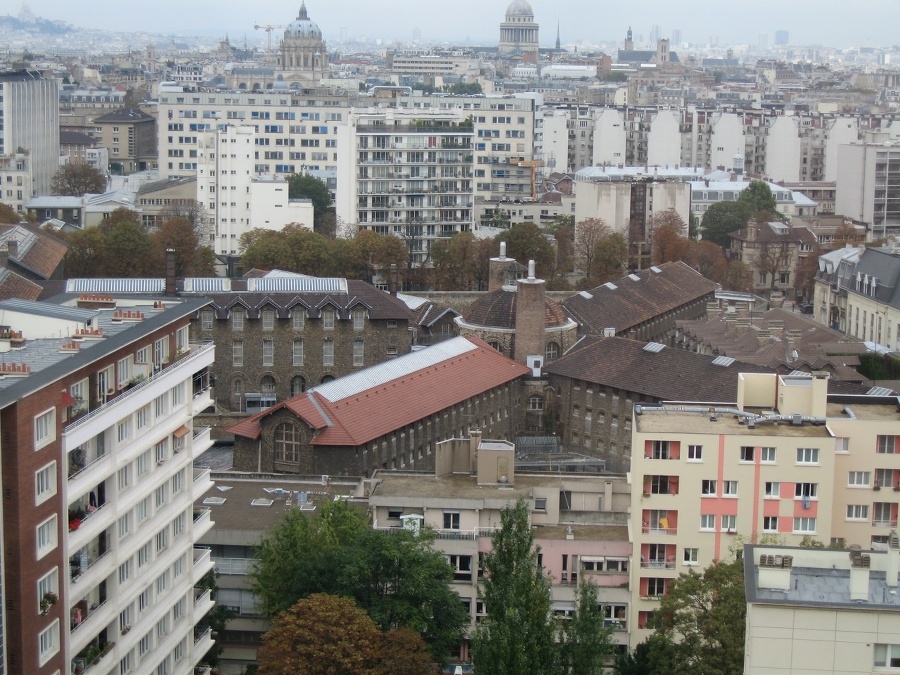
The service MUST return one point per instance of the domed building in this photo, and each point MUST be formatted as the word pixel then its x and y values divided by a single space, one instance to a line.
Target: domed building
pixel 519 32
pixel 303 58
pixel 516 317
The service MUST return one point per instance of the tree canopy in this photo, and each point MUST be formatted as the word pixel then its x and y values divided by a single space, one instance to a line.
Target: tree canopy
pixel 586 644
pixel 526 241
pixel 397 577
pixel 723 218
pixel 305 186
pixel 77 180
pixel 8 215
pixel 758 198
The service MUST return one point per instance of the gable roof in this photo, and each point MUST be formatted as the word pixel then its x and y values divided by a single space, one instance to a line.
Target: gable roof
pixel 881 267
pixel 38 252
pixel 368 404
pixel 13 285
pixel 638 297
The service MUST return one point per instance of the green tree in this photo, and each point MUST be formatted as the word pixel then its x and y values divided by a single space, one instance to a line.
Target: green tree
pixel 526 241
pixel 758 197
pixel 651 657
pixel 586 644
pixel 8 215
pixel 610 255
pixel 128 251
pixel 402 581
pixel 76 180
pixel 304 186
pixel 177 234
pixel 300 554
pixel 87 250
pixel 703 616
pixel 723 218
pixel 518 634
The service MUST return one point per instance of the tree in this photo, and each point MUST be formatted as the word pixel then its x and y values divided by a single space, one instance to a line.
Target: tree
pixel 8 215
pixel 176 234
pixel 707 258
pixel 77 180
pixel 650 657
pixel 610 256
pixel 526 241
pixel 304 186
pixel 758 197
pixel 773 258
pixel 738 277
pixel 192 210
pixel 517 635
pixel 321 635
pixel 405 653
pixel 299 555
pixel 127 251
pixel 87 251
pixel 586 644
pixel 723 218
pixel 402 581
pixel 588 234
pixel 703 616
pixel 668 244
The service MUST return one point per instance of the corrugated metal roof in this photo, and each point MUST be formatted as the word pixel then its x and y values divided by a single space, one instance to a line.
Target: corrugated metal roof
pixel 116 286
pixel 393 369
pixel 47 309
pixel 297 285
pixel 206 285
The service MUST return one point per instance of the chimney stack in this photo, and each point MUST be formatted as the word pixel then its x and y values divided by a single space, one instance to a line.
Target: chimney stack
pixel 530 317
pixel 12 247
pixel 170 272
pixel 499 269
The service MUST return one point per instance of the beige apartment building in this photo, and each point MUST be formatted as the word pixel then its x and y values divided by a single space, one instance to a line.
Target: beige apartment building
pixel 786 462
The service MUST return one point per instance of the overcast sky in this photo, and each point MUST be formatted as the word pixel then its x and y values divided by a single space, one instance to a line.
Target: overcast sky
pixel 836 23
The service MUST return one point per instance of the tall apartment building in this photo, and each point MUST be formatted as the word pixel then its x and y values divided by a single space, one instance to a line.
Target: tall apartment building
pixel 97 399
pixel 786 462
pixel 29 123
pixel 408 173
pixel 868 183
pixel 16 180
pixel 237 197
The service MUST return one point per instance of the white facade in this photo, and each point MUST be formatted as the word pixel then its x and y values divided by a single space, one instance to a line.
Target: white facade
pixel 29 122
pixel 609 138
pixel 664 139
pixel 727 141
pixel 783 150
pixel 238 199
pixel 867 175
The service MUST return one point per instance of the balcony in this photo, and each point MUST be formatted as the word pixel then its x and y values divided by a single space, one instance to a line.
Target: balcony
pixel 84 562
pixel 202 521
pixel 90 611
pixel 203 601
pixel 234 566
pixel 658 564
pixel 83 458
pixel 201 440
pixel 202 562
pixel 201 474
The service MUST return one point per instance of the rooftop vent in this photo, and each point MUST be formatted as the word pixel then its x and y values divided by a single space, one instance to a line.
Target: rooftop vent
pixel 654 347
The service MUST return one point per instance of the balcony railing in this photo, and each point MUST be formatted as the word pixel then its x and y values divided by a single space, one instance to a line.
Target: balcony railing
pixel 235 566
pixel 84 563
pixel 79 461
pixel 649 529
pixel 82 613
pixel 658 564
pixel 194 353
pixel 202 515
pixel 201 553
pixel 201 473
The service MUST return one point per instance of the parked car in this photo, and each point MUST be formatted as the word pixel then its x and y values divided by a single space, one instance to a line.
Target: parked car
pixel 806 308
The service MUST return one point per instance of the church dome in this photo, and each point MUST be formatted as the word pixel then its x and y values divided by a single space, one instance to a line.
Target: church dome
pixel 519 9
pixel 304 29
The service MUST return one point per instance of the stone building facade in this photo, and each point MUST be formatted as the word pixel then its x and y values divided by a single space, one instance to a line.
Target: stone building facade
pixel 389 416
pixel 279 335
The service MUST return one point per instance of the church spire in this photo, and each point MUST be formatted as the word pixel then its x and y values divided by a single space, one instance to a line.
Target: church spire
pixel 557 36
pixel 303 16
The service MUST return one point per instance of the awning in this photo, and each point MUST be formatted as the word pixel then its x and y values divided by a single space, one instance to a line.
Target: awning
pixel 66 399
pixel 181 431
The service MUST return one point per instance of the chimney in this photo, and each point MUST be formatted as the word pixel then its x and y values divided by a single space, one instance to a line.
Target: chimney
pixel 12 248
pixel 530 317
pixel 742 323
pixel 763 337
pixel 392 280
pixel 170 272
pixel 712 309
pixel 893 559
pixel 859 575
pixel 776 327
pixel 498 269
pixel 777 299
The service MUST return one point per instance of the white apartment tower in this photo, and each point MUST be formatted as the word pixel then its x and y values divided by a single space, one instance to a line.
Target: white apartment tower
pixel 29 123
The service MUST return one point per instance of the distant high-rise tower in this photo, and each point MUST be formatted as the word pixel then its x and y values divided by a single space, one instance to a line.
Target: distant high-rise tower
pixel 781 37
pixel 763 41
pixel 676 36
pixel 519 32
pixel 29 122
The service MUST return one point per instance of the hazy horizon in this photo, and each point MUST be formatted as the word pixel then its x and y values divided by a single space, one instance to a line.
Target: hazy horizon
pixel 808 22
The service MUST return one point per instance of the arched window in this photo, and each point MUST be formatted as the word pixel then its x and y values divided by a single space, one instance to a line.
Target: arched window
pixel 287 443
pixel 496 345
pixel 267 385
pixel 327 378
pixel 298 385
pixel 535 402
pixel 237 394
pixel 551 352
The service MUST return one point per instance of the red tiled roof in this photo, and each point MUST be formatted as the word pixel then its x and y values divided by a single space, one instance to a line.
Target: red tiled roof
pixel 372 413
pixel 13 285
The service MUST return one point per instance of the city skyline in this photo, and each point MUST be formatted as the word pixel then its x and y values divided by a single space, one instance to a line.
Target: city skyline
pixel 807 22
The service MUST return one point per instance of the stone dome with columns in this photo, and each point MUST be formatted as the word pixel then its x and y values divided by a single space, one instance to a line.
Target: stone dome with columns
pixel 303 56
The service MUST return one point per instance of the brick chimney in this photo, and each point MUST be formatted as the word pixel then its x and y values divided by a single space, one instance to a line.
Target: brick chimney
pixel 170 272
pixel 530 316
pixel 12 248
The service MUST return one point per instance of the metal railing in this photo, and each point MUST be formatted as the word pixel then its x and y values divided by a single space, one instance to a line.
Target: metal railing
pixel 194 353
pixel 234 566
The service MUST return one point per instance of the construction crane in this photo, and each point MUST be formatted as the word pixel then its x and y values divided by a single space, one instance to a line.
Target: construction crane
pixel 533 164
pixel 268 27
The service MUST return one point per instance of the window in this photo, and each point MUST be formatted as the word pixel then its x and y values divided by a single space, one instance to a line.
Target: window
pixel 161 351
pixel 708 488
pixel 268 319
pixel 551 351
pixel 767 455
pixel 328 318
pixel 162 495
pixel 887 656
pixel 708 522
pixel 773 490
pixel 144 646
pixel 123 430
pixel 268 352
pixel 804 525
pixel 237 319
pixel 144 599
pixel 142 510
pixel 691 556
pixel 805 489
pixel 857 512
pixel 328 353
pixel 695 453
pixel 298 317
pixel 178 482
pixel 161 451
pixel 144 555
pixel 287 443
pixel 49 583
pixel 535 402
pixel 143 417
pixel 237 353
pixel 730 488
pixel 178 524
pixel 46 536
pixel 297 353
pixel 206 319
pixel 125 525
pixel 298 385
pixel 358 352
pixel 451 520
pixel 770 524
pixel 359 318
pixel 729 523
pixel 45 483
pixel 143 463
pixel 162 542
pixel 48 642
pixel 886 445
pixel 177 395
pixel 124 370
pixel 859 479
pixel 44 428
pixel 807 455
pixel 747 452
pixel 160 405
pixel 656 587
pixel 126 571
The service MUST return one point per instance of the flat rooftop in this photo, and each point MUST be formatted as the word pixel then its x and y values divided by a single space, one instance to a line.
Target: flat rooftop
pixel 465 486
pixel 683 422
pixel 817 587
